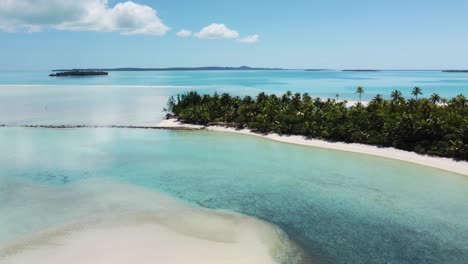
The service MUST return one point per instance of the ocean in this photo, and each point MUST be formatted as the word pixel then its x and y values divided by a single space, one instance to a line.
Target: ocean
pixel 338 207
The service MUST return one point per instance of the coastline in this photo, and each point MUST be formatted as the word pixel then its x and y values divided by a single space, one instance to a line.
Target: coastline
pixel 447 164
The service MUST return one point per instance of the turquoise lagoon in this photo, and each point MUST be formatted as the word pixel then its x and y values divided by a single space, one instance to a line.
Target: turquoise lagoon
pixel 338 207
pixel 317 83
pixel 137 98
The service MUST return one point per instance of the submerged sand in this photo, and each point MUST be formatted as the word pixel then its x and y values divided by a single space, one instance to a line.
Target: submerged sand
pixel 145 238
pixel 149 227
pixel 460 167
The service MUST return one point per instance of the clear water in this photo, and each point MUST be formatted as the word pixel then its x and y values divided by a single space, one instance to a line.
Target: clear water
pixel 321 83
pixel 340 207
pixel 137 98
pixel 88 105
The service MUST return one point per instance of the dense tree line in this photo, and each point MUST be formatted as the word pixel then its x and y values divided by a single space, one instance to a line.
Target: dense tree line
pixel 433 126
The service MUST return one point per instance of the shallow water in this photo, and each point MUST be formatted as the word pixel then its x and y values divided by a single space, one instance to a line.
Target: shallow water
pixel 321 83
pixel 338 206
pixel 105 221
pixel 138 98
pixel 90 105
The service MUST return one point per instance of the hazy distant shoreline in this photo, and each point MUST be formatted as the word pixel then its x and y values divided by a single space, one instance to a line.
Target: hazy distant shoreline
pixel 207 68
pixel 247 68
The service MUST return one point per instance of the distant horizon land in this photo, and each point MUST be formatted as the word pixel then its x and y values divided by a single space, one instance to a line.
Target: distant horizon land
pixel 247 68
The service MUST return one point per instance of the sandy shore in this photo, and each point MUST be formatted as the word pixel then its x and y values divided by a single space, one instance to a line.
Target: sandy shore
pixel 144 238
pixel 460 167
pixel 121 224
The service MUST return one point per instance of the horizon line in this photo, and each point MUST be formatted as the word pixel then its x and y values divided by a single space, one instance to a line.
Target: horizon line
pixel 226 68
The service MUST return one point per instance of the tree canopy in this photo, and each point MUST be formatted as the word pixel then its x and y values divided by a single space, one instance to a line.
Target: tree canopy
pixel 420 125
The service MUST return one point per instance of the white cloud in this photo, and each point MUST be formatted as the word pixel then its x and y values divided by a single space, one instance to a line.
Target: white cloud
pixel 250 39
pixel 128 18
pixel 217 31
pixel 184 33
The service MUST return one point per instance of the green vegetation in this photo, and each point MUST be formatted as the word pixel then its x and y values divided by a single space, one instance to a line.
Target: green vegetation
pixel 416 91
pixel 360 91
pixel 433 126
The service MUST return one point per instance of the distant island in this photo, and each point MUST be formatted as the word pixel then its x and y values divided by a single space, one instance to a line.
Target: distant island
pixel 79 73
pixel 209 68
pixel 466 71
pixel 361 70
pixel 218 68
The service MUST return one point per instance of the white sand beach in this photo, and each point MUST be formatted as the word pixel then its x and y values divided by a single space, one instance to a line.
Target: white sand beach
pixel 142 226
pixel 460 167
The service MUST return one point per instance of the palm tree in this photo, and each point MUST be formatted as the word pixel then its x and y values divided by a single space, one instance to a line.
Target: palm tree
pixel 435 98
pixel 396 96
pixel 286 98
pixel 337 96
pixel 416 91
pixel 416 125
pixel 461 100
pixel 360 91
pixel 378 99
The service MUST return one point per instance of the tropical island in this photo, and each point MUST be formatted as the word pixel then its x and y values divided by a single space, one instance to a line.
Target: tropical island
pixel 432 126
pixel 79 73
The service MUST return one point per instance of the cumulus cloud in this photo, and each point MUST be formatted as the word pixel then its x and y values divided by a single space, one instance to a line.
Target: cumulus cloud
pixel 184 33
pixel 128 18
pixel 250 39
pixel 217 31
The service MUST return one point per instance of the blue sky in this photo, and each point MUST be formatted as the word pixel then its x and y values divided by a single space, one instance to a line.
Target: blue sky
pixel 45 34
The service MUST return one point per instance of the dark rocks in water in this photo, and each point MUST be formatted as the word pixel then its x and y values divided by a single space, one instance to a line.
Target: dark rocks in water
pixel 78 73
